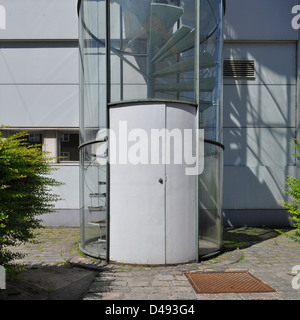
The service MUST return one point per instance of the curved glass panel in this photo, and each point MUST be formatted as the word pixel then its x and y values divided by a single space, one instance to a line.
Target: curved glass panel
pixel 93 118
pixel 92 28
pixel 150 50
pixel 210 101
pixel 93 195
pixel 210 184
pixel 210 201
pixel 153 50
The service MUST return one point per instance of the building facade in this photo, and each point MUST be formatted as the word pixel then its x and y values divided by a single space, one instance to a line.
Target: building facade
pixel 39 92
pixel 260 110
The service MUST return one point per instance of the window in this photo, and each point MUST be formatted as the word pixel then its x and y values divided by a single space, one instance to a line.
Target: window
pixel 65 137
pixel 61 146
pixel 65 155
pixel 35 139
pixel 68 146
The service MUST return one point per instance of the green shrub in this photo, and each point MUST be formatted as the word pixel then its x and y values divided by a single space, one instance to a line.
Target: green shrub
pixel 292 188
pixel 25 192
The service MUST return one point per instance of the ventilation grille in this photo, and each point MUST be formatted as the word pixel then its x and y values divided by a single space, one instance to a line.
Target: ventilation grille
pixel 244 69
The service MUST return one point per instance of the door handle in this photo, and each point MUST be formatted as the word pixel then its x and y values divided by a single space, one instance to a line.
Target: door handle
pixel 160 180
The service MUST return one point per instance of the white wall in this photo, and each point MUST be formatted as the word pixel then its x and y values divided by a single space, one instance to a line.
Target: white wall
pixel 67 209
pixel 39 64
pixel 259 20
pixel 39 82
pixel 260 115
pixel 40 19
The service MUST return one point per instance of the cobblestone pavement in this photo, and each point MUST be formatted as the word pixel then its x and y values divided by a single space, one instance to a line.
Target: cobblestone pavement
pixel 51 247
pixel 264 253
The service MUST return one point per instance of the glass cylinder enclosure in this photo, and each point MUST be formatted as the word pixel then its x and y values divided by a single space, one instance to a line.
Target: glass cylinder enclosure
pixel 151 65
pixel 210 182
pixel 93 118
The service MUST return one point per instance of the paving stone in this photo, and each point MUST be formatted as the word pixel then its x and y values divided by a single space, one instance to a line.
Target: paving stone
pixel 99 287
pixel 258 296
pixel 181 283
pixel 227 296
pixel 270 258
pixel 167 289
pixel 183 289
pixel 159 296
pixel 135 296
pixel 144 289
pixel 106 278
pixel 112 296
pixel 165 277
pixel 185 296
pixel 118 289
pixel 160 283
pixel 206 297
pixel 93 296
pixel 139 284
pixel 119 283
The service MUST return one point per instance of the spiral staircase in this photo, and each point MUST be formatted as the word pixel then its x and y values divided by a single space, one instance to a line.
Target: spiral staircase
pixel 168 46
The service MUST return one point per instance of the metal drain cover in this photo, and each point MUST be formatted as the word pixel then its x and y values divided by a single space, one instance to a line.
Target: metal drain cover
pixel 226 282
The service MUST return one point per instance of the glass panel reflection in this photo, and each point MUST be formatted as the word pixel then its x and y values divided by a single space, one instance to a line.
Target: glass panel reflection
pixel 93 193
pixel 152 54
pixel 210 201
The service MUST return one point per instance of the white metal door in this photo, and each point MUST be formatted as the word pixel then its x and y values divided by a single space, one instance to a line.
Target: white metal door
pixel 152 199
pixel 180 187
pixel 137 198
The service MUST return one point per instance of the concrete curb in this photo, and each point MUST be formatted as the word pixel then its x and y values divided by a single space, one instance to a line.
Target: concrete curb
pixel 82 261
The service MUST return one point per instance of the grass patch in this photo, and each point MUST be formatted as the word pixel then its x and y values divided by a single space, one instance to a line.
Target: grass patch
pixel 293 234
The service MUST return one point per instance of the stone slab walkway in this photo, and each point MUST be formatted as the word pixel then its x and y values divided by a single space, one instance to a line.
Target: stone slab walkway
pixel 267 255
pixel 264 253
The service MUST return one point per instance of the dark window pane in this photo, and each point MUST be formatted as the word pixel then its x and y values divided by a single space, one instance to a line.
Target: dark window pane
pixel 69 143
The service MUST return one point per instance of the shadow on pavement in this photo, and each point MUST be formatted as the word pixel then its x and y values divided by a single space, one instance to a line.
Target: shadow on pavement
pixel 245 237
pixel 60 282
pixel 71 281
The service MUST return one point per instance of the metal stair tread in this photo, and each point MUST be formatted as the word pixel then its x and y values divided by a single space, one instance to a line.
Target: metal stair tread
pixel 181 86
pixel 176 37
pixel 97 194
pixel 205 85
pixel 162 18
pixel 182 40
pixel 99 208
pixel 203 105
pixel 98 223
pixel 206 61
pixel 180 67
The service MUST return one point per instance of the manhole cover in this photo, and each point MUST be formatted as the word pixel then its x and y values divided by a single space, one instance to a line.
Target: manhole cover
pixel 226 282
